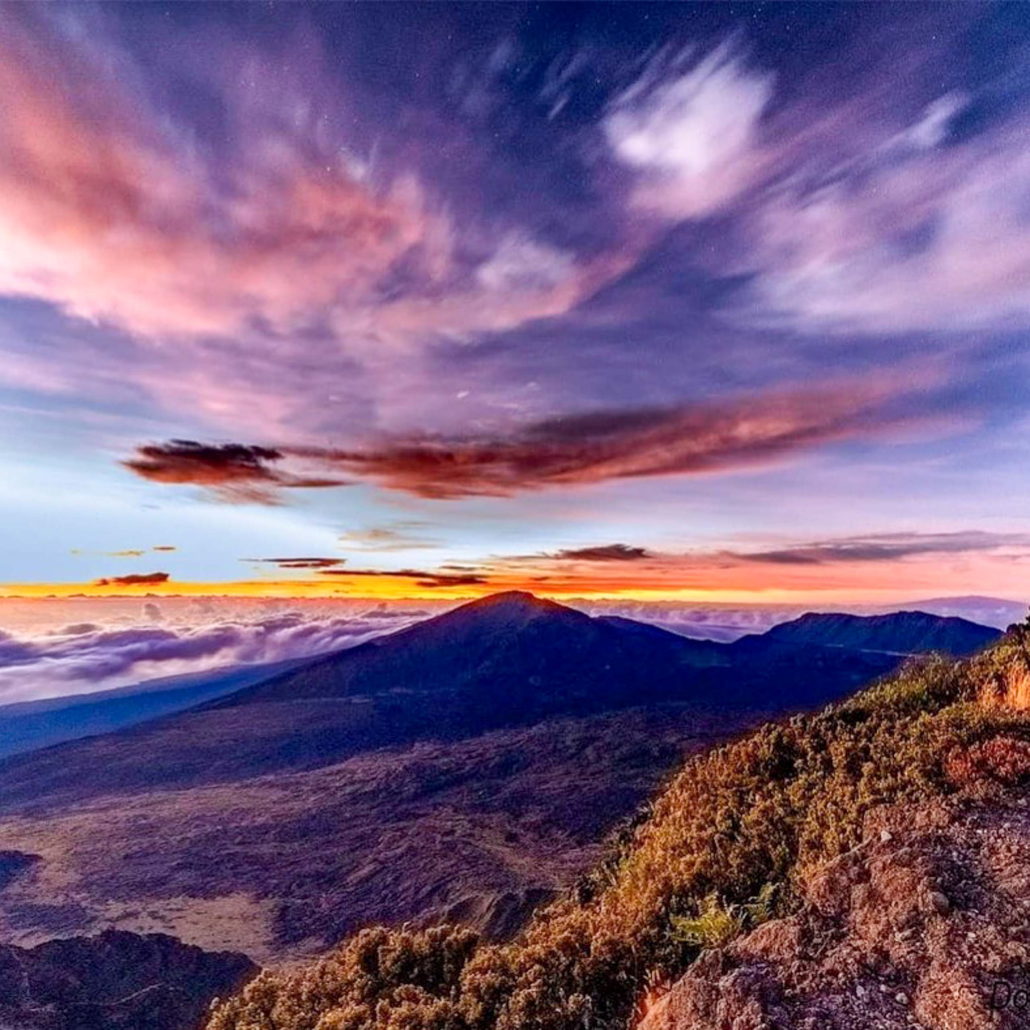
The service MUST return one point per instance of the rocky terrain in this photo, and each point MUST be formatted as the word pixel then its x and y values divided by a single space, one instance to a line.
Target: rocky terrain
pixel 114 981
pixel 925 924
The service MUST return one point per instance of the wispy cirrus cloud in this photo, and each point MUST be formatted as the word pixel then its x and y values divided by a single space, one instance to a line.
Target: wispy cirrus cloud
pixel 250 254
pixel 105 215
pixel 864 210
pixel 692 134
pixel 887 547
pixel 926 234
pixel 289 252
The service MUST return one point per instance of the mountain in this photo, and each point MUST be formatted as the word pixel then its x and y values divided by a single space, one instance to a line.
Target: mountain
pixel 896 633
pixel 510 657
pixel 466 767
pixel 29 725
pixel 506 660
pixel 988 611
pixel 114 981
pixel 32 725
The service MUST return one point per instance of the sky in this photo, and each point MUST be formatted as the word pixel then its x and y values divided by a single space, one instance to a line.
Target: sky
pixel 721 302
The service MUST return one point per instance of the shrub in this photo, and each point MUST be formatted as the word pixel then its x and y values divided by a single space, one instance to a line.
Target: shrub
pixel 714 926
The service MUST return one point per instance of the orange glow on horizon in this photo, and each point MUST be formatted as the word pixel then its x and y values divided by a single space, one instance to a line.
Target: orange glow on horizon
pixel 399 589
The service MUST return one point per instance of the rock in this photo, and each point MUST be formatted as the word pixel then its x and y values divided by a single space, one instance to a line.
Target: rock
pixel 891 920
pixel 114 981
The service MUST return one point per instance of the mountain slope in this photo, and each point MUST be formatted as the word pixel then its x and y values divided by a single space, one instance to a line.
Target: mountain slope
pixel 284 866
pixel 509 653
pixel 732 842
pixel 504 661
pixel 30 725
pixel 467 766
pixel 896 633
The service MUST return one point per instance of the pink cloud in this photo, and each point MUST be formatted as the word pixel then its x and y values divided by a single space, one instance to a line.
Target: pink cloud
pixel 241 277
pixel 104 214
pixel 110 210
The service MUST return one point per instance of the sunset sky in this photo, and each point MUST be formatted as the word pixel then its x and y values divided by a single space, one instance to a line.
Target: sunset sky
pixel 724 301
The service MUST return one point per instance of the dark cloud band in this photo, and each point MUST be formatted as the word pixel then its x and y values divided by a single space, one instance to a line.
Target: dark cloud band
pixel 580 449
pixel 136 579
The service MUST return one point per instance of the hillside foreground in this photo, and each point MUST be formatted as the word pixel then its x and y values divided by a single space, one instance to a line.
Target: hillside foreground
pixel 864 866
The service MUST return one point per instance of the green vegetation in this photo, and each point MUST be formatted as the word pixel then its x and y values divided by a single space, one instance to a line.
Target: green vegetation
pixel 722 849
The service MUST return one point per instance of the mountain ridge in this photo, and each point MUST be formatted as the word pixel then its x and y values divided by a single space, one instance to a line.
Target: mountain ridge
pixel 31 725
pixel 903 632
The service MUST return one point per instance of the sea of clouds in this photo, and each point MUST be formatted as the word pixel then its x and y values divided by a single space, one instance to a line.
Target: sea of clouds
pixel 112 645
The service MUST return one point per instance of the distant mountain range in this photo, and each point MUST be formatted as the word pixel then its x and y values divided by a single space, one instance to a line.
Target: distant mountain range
pixel 898 633
pixel 465 767
pixel 997 612
pixel 28 725
pixel 503 661
pixel 728 622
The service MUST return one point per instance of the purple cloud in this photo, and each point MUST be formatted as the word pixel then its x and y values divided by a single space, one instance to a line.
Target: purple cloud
pixel 603 552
